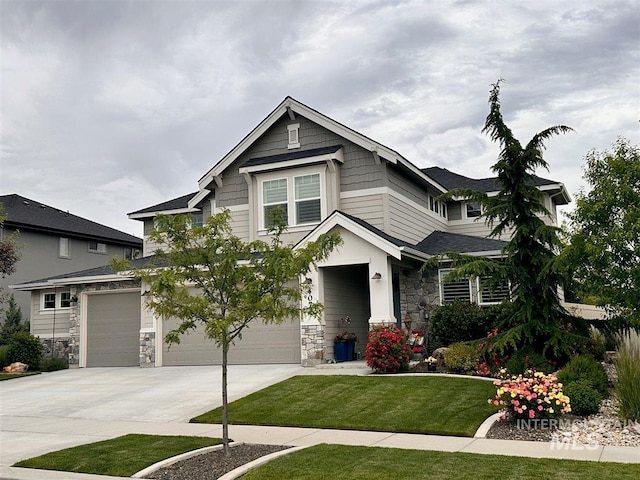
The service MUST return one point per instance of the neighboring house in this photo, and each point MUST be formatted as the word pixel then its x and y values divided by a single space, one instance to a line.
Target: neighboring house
pixel 54 242
pixel 326 177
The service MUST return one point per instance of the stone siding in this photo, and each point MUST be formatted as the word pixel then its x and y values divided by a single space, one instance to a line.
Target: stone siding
pixel 147 349
pixel 313 345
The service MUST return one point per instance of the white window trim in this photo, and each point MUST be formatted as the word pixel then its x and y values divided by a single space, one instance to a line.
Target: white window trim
pixel 98 249
pixel 465 210
pixel 291 202
pixel 293 133
pixel 58 302
pixel 479 288
pixel 62 240
pixel 443 273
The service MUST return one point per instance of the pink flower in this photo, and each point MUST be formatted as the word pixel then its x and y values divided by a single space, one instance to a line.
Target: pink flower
pixel 532 414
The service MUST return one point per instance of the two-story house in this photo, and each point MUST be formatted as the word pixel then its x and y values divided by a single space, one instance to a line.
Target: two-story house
pixel 325 176
pixel 54 242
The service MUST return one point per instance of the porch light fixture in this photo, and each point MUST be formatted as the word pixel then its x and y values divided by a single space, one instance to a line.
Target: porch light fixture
pixel 145 293
pixel 376 276
pixel 308 281
pixel 73 299
pixel 408 321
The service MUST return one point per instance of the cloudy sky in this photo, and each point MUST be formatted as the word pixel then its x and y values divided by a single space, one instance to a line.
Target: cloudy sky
pixel 111 106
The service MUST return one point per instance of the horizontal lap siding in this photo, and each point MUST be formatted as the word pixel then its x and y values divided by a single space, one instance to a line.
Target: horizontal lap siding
pixel 240 224
pixel 410 224
pixel 367 207
pixel 42 325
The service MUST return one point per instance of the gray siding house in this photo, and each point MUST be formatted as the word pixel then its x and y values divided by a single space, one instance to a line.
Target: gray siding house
pixel 327 177
pixel 55 242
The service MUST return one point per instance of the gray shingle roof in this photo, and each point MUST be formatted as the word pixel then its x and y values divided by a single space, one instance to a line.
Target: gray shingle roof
pixel 451 180
pixel 173 204
pixel 438 242
pixel 26 214
pixel 283 157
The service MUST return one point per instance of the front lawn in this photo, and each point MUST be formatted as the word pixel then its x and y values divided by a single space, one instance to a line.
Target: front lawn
pixel 121 456
pixel 8 376
pixel 410 404
pixel 375 463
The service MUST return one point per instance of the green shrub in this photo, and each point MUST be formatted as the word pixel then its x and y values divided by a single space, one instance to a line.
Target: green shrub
pixel 54 364
pixel 4 351
pixel 459 322
pixel 587 368
pixel 525 359
pixel 628 368
pixel 25 348
pixel 584 399
pixel 460 358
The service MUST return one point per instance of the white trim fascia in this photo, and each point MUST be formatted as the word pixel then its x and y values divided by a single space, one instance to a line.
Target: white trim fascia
pixel 487 253
pixel 326 158
pixel 337 219
pixel 55 282
pixel 415 254
pixel 201 195
pixel 177 211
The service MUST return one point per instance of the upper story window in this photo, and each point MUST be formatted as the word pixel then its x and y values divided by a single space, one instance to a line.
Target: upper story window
pixel 96 247
pixel 299 198
pixel 473 209
pixel 293 131
pixel 54 300
pixel 131 253
pixel 63 248
pixel 197 219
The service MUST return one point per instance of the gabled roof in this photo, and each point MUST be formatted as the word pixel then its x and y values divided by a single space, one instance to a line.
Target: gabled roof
pixel 438 243
pixel 176 205
pixel 291 107
pixel 26 214
pixel 451 181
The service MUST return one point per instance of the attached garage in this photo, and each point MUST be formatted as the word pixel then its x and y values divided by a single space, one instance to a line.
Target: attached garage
pixel 260 343
pixel 113 329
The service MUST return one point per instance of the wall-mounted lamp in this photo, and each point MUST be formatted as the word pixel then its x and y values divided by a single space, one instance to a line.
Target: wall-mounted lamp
pixel 408 321
pixel 74 299
pixel 145 293
pixel 376 276
pixel 308 281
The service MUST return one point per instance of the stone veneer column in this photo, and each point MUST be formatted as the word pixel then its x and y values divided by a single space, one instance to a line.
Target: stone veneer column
pixel 313 344
pixel 147 349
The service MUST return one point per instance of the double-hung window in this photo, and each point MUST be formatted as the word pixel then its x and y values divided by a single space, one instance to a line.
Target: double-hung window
pixel 275 197
pixel 307 197
pixel 298 199
pixel 63 248
pixel 97 247
pixel 54 300
pixel 473 209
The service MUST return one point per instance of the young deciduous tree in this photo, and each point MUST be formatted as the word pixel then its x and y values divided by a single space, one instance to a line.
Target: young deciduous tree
pixel 537 320
pixel 604 247
pixel 216 282
pixel 9 253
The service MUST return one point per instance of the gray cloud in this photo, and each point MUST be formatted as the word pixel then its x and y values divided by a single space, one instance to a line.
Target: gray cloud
pixel 110 106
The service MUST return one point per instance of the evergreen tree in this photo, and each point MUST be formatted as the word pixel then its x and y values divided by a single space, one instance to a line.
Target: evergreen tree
pixel 13 322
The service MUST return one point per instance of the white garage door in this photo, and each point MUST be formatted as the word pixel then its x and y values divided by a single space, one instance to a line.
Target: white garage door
pixel 113 330
pixel 260 343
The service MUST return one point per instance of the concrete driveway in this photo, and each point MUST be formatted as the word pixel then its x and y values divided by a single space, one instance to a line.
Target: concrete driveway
pixel 70 407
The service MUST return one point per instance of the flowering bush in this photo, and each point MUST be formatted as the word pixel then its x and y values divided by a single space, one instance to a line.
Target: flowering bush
pixel 531 395
pixel 387 350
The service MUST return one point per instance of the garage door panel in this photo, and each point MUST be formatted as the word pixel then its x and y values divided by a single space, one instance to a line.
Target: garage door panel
pixel 260 343
pixel 113 330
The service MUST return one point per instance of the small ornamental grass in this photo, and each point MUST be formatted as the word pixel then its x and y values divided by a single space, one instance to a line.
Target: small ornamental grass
pixel 628 368
pixel 531 395
pixel 388 350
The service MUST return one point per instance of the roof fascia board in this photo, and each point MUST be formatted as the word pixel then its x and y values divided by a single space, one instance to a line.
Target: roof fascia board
pixel 55 282
pixel 200 196
pixel 177 211
pixel 336 219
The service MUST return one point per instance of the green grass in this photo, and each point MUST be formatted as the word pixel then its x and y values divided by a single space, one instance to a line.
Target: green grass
pixel 410 404
pixel 121 456
pixel 375 463
pixel 9 376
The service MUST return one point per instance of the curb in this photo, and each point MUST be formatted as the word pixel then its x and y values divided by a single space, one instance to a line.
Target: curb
pixel 178 458
pixel 486 426
pixel 238 472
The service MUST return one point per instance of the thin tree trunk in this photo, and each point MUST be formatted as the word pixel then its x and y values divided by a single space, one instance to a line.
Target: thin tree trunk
pixel 225 408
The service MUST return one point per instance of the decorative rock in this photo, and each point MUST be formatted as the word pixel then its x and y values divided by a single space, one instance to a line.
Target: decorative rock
pixel 16 367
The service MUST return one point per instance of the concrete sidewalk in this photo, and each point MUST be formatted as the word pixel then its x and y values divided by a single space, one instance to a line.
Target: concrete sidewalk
pixel 87 431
